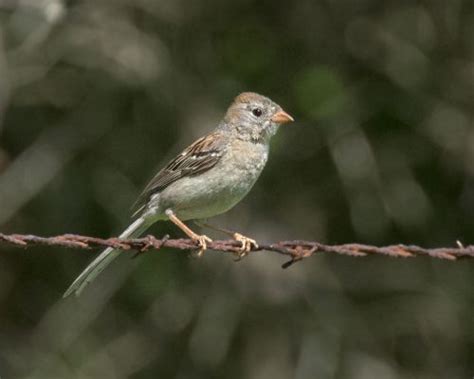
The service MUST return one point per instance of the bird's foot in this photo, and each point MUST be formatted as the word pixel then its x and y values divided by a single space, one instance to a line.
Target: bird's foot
pixel 202 241
pixel 246 247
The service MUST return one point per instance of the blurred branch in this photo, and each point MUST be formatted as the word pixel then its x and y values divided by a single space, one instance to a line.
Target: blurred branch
pixel 296 249
pixel 52 150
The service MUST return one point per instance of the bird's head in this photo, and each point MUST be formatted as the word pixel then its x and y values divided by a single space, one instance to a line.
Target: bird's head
pixel 254 117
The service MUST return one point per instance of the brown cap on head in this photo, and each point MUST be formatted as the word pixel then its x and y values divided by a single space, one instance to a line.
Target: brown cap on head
pixel 248 97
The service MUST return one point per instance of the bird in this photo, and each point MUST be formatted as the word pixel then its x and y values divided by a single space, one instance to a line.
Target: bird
pixel 207 178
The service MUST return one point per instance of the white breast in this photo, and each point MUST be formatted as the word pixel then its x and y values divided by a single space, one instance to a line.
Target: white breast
pixel 245 162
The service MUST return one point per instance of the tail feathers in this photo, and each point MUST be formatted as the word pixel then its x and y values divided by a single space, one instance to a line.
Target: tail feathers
pixel 104 259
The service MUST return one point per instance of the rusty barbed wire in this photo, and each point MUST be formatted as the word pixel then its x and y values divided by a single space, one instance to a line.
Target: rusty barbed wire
pixel 296 250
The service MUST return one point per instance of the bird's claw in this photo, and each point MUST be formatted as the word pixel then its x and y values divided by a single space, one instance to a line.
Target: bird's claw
pixel 202 241
pixel 246 246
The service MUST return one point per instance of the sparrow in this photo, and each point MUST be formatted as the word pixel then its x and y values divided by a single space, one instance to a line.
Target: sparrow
pixel 208 178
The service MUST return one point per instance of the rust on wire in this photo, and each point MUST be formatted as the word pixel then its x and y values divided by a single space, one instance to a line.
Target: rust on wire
pixel 297 250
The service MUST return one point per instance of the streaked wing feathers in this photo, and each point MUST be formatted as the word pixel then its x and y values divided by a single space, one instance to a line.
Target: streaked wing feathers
pixel 197 158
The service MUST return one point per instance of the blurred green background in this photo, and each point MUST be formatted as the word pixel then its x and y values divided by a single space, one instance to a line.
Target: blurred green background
pixel 95 95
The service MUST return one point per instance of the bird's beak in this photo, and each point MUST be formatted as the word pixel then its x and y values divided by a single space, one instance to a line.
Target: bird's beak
pixel 281 117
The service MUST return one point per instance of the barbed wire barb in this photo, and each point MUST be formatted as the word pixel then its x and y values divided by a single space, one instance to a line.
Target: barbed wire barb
pixel 297 250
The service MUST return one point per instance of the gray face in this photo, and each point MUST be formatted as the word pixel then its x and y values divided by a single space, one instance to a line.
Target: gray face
pixel 251 117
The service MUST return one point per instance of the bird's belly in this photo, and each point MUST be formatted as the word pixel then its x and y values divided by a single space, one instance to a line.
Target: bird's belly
pixel 217 190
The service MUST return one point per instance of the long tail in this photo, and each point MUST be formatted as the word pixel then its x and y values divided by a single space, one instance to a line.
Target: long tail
pixel 104 259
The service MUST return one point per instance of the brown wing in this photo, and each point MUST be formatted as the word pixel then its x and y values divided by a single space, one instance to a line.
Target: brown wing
pixel 195 159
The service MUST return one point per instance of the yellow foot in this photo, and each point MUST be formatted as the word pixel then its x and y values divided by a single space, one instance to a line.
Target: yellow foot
pixel 202 240
pixel 246 245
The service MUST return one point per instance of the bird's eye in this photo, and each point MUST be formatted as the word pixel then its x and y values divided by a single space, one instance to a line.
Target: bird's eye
pixel 257 112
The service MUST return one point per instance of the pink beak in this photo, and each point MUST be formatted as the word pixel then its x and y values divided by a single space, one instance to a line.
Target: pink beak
pixel 281 117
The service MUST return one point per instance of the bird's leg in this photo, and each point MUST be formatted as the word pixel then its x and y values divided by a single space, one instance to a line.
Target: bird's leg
pixel 201 239
pixel 246 242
